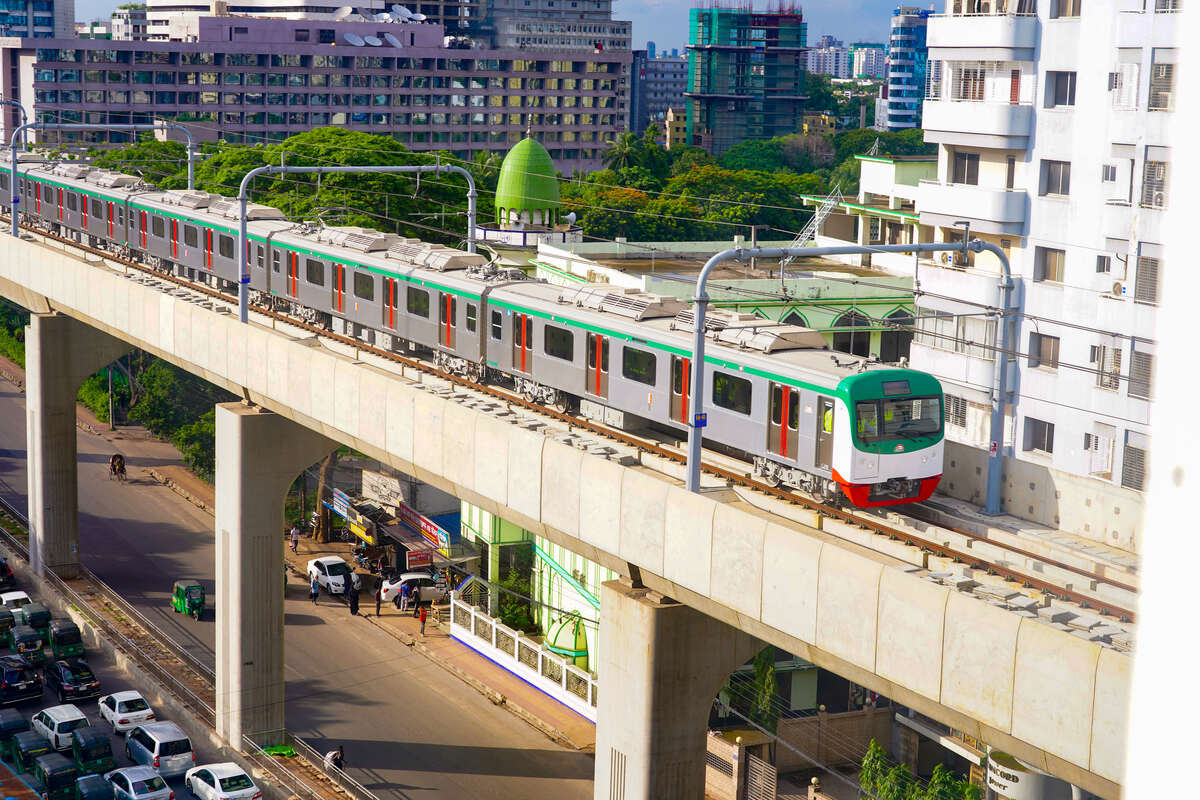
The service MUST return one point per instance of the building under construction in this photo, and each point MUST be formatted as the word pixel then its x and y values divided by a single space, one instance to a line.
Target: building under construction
pixel 745 74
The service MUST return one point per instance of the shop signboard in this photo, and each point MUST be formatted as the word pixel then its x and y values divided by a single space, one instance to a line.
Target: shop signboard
pixel 423 525
pixel 416 559
pixel 383 489
pixel 1012 780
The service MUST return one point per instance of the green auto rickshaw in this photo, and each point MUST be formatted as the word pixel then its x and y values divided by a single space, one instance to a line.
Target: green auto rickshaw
pixel 37 616
pixel 56 775
pixel 6 624
pixel 28 642
pixel 12 722
pixel 188 598
pixel 26 747
pixel 65 640
pixel 92 750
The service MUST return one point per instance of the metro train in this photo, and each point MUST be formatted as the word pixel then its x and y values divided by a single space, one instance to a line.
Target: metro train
pixel 824 422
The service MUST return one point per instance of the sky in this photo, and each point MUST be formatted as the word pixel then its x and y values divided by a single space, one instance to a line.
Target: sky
pixel 665 21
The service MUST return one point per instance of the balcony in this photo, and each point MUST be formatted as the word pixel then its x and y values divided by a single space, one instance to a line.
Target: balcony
pixel 982 37
pixel 995 211
pixel 978 124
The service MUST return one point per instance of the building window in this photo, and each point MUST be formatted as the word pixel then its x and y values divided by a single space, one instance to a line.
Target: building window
pixel 1039 435
pixel 1145 283
pixel 1043 351
pixel 1100 454
pixel 956 411
pixel 1123 84
pixel 1048 264
pixel 1103 265
pixel 731 392
pixel 1108 366
pixel 1108 173
pixel 1060 89
pixel 1064 8
pixel 1162 85
pixel 1141 371
pixel 1133 466
pixel 1056 178
pixel 559 342
pixel 969 83
pixel 966 168
pixel 1154 184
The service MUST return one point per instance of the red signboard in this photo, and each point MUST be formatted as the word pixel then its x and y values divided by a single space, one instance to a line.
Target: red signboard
pixel 424 526
pixel 418 558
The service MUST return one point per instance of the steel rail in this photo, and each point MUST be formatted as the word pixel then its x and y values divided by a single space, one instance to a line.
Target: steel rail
pixel 731 476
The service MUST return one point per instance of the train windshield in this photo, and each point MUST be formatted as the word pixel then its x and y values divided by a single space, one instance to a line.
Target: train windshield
pixel 889 419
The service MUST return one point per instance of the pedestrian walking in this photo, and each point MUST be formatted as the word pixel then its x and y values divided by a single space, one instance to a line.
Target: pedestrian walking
pixel 378 597
pixel 294 537
pixel 314 590
pixel 416 599
pixel 405 589
pixel 352 600
pixel 423 615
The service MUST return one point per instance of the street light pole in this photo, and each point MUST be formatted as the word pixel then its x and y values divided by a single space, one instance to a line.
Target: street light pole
pixel 24 118
pixel 1000 375
pixel 243 200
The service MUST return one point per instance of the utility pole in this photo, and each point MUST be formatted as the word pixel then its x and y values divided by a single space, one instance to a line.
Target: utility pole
pixel 111 420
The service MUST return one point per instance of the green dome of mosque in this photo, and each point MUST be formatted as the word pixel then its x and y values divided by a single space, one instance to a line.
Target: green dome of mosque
pixel 528 183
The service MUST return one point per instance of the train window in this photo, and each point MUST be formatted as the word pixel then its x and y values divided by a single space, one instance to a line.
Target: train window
pixel 777 405
pixel 497 325
pixel 638 365
pixel 3 181
pixel 260 256
pixel 472 317
pixel 731 392
pixel 315 270
pixel 72 203
pixel 191 235
pixel 364 286
pixel 868 421
pixel 49 198
pixel 418 302
pixel 794 410
pixel 157 226
pixel 275 260
pixel 120 215
pixel 225 246
pixel 559 342
pixel 98 210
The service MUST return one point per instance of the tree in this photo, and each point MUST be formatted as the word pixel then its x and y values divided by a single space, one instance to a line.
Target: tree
pixel 162 163
pixel 764 709
pixel 623 152
pixel 324 530
pixel 765 155
pixel 689 157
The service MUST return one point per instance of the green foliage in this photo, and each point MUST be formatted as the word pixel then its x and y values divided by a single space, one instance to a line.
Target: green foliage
pixel 161 163
pixel 196 442
pixel 13 320
pixel 687 158
pixel 93 394
pixel 514 607
pixel 883 780
pixel 763 709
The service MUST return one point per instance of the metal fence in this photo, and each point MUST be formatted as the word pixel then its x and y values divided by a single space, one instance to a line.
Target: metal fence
pixel 524 656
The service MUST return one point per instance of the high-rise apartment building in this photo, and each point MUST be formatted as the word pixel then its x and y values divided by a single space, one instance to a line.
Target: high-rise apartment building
pixel 555 25
pixel 907 56
pixel 657 85
pixel 745 75
pixel 868 60
pixel 130 24
pixel 251 79
pixel 1053 127
pixel 37 19
pixel 832 60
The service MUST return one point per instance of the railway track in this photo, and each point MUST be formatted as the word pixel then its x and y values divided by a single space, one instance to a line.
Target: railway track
pixel 187 679
pixel 733 477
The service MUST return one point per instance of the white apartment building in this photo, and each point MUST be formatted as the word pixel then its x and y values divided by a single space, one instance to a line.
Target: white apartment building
pixel 868 62
pixel 1053 127
pixel 833 61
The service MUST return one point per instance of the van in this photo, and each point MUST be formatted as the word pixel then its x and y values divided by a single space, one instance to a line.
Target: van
pixel 57 722
pixel 161 745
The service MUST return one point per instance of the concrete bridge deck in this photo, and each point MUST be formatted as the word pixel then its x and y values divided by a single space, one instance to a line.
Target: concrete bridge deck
pixel 1052 699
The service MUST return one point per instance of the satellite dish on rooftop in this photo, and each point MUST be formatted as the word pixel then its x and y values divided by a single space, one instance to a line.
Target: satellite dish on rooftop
pixel 402 11
pixel 383 16
pixel 417 17
pixel 392 40
pixel 353 38
pixel 374 41
pixel 343 12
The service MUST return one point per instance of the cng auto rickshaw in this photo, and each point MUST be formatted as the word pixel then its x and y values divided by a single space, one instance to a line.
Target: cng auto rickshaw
pixel 12 722
pixel 188 598
pixel 6 624
pixel 37 616
pixel 56 775
pixel 65 640
pixel 93 787
pixel 26 747
pixel 28 642
pixel 92 750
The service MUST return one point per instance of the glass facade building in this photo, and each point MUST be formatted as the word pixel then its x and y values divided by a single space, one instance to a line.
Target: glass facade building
pixel 908 58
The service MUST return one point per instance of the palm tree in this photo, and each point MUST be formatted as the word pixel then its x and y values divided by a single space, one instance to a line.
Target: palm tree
pixel 622 153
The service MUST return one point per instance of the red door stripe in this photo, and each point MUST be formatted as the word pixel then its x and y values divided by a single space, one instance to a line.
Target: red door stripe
pixel 111 213
pixel 687 362
pixel 60 204
pixel 786 394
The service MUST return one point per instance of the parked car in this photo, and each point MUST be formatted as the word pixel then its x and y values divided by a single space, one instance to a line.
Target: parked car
pixel 7 578
pixel 124 711
pixel 331 572
pixel 161 745
pixel 57 722
pixel 138 783
pixel 430 590
pixel 225 781
pixel 18 680
pixel 93 787
pixel 71 679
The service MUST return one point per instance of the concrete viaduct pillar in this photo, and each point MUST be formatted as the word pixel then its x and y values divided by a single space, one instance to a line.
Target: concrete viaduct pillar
pixel 258 455
pixel 661 664
pixel 60 353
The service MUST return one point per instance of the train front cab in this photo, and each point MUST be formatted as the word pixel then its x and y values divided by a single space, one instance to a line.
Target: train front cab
pixel 891 446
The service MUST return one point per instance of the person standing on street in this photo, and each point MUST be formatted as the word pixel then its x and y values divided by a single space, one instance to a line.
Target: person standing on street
pixel 352 598
pixel 416 599
pixel 314 590
pixel 423 614
pixel 404 590
pixel 294 538
pixel 378 597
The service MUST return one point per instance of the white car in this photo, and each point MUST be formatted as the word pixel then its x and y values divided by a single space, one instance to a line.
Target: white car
pixel 225 781
pixel 124 711
pixel 14 602
pixel 56 723
pixel 138 783
pixel 431 592
pixel 331 572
